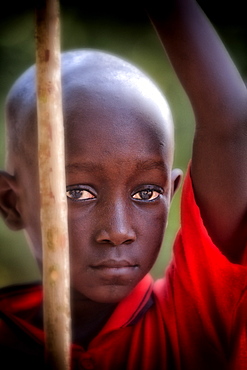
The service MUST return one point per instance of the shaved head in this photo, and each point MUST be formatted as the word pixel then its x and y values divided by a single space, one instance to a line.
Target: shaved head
pixel 118 163
pixel 90 80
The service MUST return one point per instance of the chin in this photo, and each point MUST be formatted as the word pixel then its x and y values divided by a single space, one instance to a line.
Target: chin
pixel 110 294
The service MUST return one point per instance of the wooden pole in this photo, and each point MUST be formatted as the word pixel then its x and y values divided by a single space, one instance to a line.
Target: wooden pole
pixel 56 282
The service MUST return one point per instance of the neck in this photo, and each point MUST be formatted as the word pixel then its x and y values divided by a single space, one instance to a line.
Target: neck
pixel 88 318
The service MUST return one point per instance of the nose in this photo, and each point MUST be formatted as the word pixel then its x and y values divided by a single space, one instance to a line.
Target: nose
pixel 115 226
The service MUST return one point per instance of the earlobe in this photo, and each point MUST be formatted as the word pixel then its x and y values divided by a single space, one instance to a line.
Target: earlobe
pixel 9 201
pixel 176 179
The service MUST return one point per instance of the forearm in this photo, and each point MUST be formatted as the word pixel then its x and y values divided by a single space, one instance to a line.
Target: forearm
pixel 219 100
pixel 201 63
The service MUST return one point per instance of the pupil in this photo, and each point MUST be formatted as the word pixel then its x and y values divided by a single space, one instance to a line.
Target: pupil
pixel 146 194
pixel 76 193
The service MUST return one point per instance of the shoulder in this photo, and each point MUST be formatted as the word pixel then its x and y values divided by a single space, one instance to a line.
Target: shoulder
pixel 19 289
pixel 20 297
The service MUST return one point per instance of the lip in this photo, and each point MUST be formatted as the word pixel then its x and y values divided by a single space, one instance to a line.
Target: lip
pixel 114 264
pixel 115 272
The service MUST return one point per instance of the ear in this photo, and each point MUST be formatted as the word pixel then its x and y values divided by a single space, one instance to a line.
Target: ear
pixel 9 201
pixel 176 179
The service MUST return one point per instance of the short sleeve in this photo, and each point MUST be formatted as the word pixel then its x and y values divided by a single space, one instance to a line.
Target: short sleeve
pixel 205 293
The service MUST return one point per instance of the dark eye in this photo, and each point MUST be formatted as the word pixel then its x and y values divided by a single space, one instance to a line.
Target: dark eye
pixel 146 194
pixel 79 194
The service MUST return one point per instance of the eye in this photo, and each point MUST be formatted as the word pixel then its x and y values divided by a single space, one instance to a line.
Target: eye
pixel 147 194
pixel 79 194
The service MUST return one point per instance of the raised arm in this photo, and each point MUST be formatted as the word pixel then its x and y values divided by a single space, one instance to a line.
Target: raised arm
pixel 219 100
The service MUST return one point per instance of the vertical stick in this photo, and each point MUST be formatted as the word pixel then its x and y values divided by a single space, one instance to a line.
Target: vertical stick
pixel 52 186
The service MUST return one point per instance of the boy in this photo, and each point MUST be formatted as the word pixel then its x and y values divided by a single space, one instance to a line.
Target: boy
pixel 120 182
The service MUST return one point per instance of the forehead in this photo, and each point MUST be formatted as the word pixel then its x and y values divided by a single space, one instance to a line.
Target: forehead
pixel 115 102
pixel 117 122
pixel 106 100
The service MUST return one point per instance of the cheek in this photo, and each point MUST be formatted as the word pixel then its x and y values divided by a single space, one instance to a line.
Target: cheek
pixel 79 231
pixel 152 228
pixel 80 226
pixel 79 250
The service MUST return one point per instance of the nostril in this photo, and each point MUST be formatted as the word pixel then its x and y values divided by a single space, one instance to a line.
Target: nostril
pixel 115 236
pixel 108 241
pixel 129 241
pixel 105 241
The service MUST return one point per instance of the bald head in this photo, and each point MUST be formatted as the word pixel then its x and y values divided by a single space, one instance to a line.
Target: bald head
pixel 91 80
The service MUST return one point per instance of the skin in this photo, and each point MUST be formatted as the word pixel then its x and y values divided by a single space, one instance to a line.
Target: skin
pixel 218 97
pixel 120 182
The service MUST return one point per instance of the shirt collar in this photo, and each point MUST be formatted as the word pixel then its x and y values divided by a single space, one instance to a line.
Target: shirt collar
pixel 127 312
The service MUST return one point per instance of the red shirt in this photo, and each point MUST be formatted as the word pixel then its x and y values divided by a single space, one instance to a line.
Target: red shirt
pixel 194 318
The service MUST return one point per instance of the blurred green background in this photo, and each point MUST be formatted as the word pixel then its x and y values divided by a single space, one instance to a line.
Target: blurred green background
pixel 126 31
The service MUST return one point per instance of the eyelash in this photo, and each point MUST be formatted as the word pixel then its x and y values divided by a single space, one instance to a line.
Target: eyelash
pixel 147 194
pixel 143 195
pixel 75 193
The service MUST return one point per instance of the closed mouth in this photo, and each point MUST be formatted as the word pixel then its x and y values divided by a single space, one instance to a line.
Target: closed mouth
pixel 114 264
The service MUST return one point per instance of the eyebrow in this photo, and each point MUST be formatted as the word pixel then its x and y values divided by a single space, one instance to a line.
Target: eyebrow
pixel 143 165
pixel 151 165
pixel 89 166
